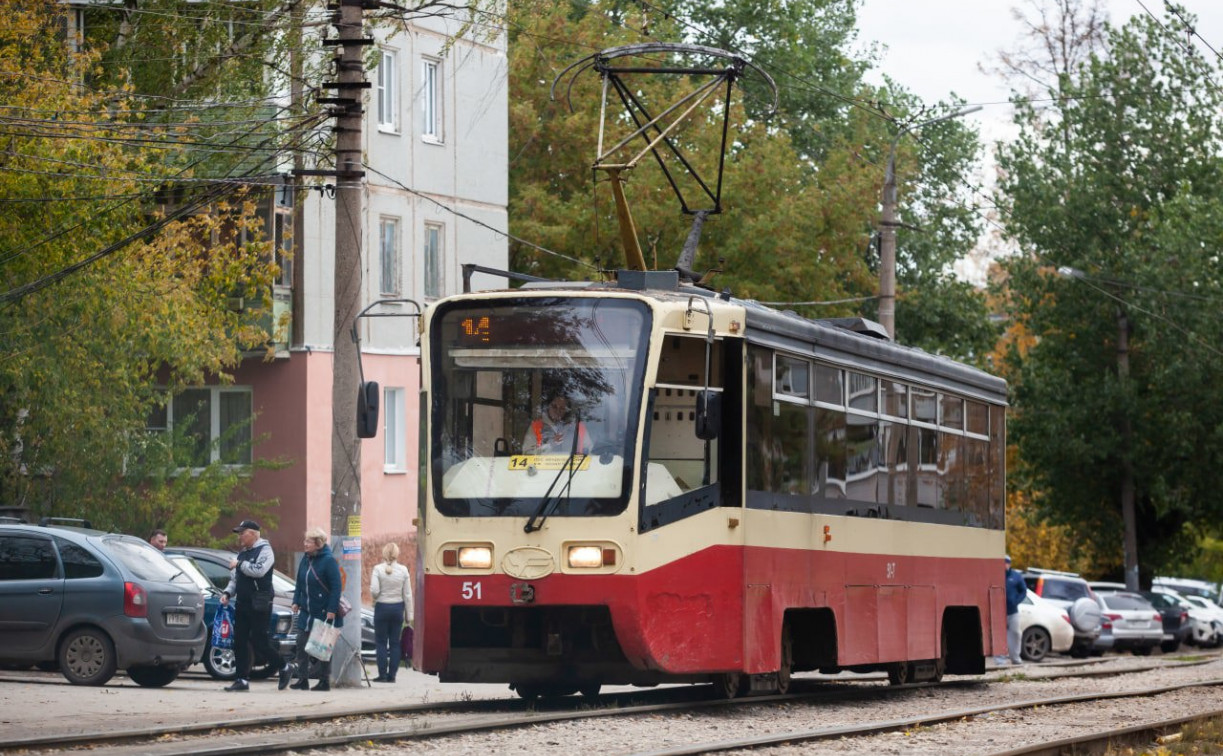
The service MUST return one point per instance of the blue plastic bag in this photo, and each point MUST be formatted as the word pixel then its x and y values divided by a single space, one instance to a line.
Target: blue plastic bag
pixel 223 627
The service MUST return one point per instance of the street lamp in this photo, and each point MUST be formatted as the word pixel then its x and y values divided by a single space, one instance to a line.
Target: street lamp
pixel 1129 516
pixel 887 222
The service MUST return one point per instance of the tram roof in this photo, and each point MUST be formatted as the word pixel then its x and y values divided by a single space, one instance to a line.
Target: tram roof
pixel 849 342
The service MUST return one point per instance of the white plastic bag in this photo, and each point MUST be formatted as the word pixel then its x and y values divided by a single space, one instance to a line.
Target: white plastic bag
pixel 322 640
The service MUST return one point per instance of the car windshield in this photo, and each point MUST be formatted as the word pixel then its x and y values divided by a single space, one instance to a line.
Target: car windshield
pixel 188 567
pixel 142 560
pixel 535 404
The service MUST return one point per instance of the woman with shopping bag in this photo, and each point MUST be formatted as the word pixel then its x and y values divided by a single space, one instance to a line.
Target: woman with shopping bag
pixel 316 600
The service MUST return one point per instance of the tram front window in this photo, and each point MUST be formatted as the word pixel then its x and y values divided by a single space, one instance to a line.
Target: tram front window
pixel 510 377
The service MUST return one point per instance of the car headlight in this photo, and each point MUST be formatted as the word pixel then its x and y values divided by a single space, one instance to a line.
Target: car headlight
pixel 283 623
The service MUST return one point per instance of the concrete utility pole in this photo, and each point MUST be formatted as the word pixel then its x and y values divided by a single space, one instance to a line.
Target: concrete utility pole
pixel 888 223
pixel 345 449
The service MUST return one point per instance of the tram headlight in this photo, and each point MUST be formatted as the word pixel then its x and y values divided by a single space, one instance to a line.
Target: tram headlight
pixel 590 556
pixel 585 556
pixel 475 557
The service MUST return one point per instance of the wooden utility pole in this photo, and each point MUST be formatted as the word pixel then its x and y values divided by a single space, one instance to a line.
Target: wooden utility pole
pixel 345 448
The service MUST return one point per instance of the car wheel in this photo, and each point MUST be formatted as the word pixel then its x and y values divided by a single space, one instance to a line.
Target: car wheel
pixel 220 663
pixel 153 677
pixel 87 657
pixel 1036 644
pixel 1141 650
pixel 1084 615
pixel 1169 647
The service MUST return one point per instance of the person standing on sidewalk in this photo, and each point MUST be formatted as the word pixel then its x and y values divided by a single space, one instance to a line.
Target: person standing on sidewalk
pixel 317 598
pixel 1016 592
pixel 391 586
pixel 250 588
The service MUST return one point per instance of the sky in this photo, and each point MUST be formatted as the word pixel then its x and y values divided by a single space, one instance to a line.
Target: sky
pixel 934 47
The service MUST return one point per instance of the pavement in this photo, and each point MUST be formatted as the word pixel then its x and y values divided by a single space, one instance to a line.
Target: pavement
pixel 43 704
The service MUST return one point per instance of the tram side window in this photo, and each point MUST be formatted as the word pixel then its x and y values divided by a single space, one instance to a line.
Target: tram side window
pixel 951 472
pixel 830 452
pixel 759 416
pixel 997 466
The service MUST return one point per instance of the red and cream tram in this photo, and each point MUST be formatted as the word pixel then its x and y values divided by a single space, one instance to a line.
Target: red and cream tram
pixel 754 494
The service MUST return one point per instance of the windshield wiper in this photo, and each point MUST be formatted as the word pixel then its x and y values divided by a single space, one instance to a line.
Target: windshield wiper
pixel 545 506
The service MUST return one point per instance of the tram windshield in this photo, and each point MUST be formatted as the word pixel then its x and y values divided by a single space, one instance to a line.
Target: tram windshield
pixel 534 405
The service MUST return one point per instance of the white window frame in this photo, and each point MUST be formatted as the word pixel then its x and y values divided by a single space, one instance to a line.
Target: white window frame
pixel 433 256
pixel 431 100
pixel 394 431
pixel 388 93
pixel 214 421
pixel 389 276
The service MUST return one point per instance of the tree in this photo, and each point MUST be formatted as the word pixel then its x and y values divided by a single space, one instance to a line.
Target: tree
pixel 1116 186
pixel 801 190
pixel 107 299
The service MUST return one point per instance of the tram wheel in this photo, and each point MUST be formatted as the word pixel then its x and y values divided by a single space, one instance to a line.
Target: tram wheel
pixel 787 661
pixel 900 673
pixel 731 685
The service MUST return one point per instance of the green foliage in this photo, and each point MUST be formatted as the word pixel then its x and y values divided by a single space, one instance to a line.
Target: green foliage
pixel 84 358
pixel 1121 183
pixel 801 191
pixel 167 487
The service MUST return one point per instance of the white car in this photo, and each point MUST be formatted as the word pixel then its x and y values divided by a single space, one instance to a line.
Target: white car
pixel 1205 632
pixel 1211 610
pixel 1045 628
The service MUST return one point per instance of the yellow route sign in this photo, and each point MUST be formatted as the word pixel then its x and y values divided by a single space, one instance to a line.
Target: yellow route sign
pixel 548 462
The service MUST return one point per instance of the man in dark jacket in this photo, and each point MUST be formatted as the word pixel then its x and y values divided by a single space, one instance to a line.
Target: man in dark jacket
pixel 1016 592
pixel 250 586
pixel 316 599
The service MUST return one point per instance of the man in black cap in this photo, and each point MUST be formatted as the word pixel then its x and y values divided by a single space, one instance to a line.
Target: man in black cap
pixel 250 586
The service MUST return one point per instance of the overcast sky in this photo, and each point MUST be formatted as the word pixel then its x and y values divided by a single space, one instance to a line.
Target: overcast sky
pixel 935 47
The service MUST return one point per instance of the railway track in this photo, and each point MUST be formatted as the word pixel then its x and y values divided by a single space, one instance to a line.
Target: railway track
pixel 456 720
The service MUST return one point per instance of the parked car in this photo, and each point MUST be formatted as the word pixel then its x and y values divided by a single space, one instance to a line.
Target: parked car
pixel 1190 587
pixel 1045 628
pixel 1212 610
pixel 1070 592
pixel 94 603
pixel 220 663
pixel 1130 623
pixel 1203 632
pixel 1177 624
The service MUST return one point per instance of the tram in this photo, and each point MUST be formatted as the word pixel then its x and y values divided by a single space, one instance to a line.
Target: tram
pixel 753 494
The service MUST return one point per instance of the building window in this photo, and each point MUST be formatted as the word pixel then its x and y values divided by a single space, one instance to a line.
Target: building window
pixel 433 260
pixel 282 231
pixel 395 459
pixel 388 255
pixel 388 105
pixel 212 424
pixel 431 100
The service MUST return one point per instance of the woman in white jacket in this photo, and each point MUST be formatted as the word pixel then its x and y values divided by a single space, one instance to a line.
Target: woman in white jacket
pixel 391 587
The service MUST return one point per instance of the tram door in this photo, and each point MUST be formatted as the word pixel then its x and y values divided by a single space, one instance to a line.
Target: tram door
pixel 678 461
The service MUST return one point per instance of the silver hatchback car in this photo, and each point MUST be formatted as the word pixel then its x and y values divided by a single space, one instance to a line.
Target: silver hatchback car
pixel 93 603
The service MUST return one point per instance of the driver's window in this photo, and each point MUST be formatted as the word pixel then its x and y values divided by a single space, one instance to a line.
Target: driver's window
pixel 678 461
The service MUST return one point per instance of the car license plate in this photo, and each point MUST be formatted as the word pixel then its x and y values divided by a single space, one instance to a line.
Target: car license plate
pixel 178 619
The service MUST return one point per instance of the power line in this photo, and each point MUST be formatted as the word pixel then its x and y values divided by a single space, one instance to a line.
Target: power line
pixel 478 222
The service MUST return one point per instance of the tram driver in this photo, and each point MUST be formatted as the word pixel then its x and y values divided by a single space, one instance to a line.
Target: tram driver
pixel 552 432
